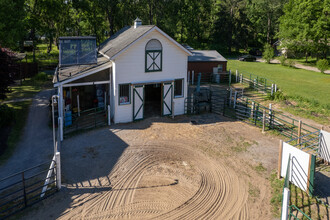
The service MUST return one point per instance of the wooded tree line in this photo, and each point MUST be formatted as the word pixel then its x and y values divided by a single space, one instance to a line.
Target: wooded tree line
pixel 226 25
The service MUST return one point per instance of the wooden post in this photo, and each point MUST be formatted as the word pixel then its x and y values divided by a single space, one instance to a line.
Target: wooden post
pixel 272 90
pixel 192 77
pixel 270 115
pixel 279 167
pixel 241 78
pixel 275 88
pixel 236 76
pixel 299 131
pixel 263 120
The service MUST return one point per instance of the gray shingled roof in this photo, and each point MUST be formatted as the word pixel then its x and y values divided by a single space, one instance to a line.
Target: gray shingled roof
pixel 205 56
pixel 68 72
pixel 122 39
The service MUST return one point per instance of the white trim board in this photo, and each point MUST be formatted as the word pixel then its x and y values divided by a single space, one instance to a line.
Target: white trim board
pixel 83 75
pixel 145 34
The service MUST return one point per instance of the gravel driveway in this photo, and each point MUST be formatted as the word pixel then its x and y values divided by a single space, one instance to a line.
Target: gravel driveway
pixel 35 146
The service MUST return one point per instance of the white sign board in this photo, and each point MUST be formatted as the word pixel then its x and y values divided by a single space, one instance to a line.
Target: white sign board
pixel 299 166
pixel 324 148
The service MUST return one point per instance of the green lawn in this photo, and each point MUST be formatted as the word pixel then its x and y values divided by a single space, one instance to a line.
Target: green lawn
pixel 311 90
pixel 29 87
pixel 42 57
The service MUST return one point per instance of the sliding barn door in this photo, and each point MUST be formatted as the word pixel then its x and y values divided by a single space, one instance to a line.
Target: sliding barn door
pixel 138 102
pixel 167 94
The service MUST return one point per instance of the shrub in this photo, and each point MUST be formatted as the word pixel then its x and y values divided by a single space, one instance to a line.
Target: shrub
pixel 291 63
pixel 322 65
pixel 6 115
pixel 282 60
pixel 42 76
pixel 268 53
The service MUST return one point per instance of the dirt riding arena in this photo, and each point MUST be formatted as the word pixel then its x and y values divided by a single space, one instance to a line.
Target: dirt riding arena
pixel 162 168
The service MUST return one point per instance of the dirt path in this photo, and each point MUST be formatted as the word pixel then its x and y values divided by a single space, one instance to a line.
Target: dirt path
pixel 297 65
pixel 165 169
pixel 35 145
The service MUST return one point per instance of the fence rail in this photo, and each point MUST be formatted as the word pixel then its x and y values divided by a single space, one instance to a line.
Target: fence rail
pixel 252 112
pixel 256 82
pixel 91 118
pixel 25 188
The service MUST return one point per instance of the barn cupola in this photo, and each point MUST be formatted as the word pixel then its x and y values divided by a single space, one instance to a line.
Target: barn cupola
pixel 77 51
pixel 137 22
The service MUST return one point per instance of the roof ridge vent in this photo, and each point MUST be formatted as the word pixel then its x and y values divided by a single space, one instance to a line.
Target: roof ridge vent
pixel 137 22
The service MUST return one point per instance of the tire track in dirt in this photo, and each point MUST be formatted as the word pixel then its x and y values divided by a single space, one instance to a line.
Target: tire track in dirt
pixel 220 194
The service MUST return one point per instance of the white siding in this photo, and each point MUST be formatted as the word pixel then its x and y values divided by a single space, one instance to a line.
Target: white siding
pixel 130 68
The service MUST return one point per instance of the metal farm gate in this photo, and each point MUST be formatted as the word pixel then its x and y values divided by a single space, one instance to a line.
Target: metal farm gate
pixel 212 99
pixel 26 188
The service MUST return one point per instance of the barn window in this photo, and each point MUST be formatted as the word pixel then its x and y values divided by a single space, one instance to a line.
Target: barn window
pixel 124 94
pixel 153 55
pixel 178 88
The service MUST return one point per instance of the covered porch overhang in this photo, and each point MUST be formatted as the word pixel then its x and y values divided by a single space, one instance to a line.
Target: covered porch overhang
pixel 83 95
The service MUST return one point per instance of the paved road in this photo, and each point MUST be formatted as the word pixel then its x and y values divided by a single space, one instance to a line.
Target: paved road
pixel 35 145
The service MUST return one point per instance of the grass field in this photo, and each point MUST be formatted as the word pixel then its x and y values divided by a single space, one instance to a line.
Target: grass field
pixel 42 57
pixel 310 90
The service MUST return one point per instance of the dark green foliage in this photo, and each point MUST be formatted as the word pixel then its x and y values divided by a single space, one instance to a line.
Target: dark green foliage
pixel 6 115
pixel 322 65
pixel 268 53
pixel 282 60
pixel 42 76
pixel 305 26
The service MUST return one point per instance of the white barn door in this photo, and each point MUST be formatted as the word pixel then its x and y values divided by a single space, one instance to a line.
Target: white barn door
pixel 167 94
pixel 138 102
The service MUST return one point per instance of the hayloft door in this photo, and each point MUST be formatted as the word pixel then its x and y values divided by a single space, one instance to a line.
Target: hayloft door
pixel 138 102
pixel 167 94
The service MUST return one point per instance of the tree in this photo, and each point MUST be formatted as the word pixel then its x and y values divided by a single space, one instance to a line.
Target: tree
pixel 231 25
pixel 6 62
pixel 304 27
pixel 322 65
pixel 268 53
pixel 264 15
pixel 12 14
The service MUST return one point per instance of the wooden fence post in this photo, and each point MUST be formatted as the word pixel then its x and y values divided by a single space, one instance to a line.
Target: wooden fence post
pixel 275 88
pixel 279 166
pixel 299 132
pixel 236 76
pixel 241 78
pixel 192 77
pixel 263 120
pixel 272 90
pixel 270 116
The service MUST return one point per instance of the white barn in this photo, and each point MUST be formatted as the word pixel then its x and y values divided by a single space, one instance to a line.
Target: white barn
pixel 137 72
